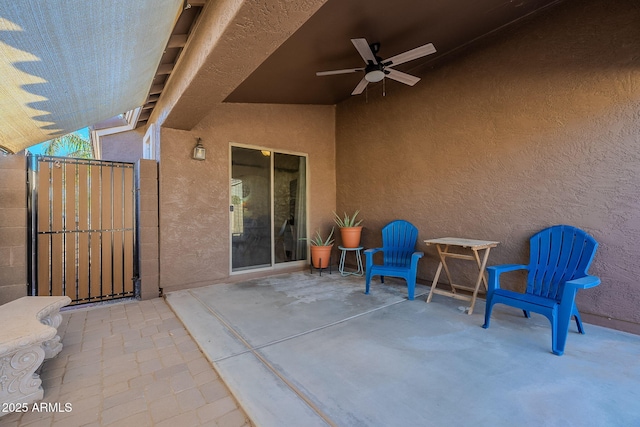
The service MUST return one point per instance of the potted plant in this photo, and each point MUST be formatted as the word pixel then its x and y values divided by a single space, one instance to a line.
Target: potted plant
pixel 321 249
pixel 350 229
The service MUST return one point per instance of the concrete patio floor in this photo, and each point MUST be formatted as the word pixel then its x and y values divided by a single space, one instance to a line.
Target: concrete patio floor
pixel 130 364
pixel 304 350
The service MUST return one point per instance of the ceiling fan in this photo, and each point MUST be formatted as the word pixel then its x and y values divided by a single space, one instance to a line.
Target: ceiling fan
pixel 377 68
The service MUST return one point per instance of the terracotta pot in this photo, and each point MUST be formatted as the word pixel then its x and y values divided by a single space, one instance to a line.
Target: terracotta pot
pixel 350 236
pixel 320 256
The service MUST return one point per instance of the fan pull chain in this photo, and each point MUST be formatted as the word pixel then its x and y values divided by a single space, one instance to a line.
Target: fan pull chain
pixel 384 87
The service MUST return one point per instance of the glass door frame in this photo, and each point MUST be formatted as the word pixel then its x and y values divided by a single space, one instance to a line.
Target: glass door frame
pixel 274 266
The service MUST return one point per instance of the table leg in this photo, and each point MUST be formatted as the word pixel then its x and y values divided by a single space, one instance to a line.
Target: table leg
pixel 480 277
pixel 435 281
pixel 484 273
pixel 443 259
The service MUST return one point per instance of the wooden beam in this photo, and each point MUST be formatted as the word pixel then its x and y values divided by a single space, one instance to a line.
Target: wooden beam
pixel 177 40
pixel 164 69
pixel 156 89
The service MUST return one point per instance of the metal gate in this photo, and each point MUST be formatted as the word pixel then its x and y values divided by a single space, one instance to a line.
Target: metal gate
pixel 82 229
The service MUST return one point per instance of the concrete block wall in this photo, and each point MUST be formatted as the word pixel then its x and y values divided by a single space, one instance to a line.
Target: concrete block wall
pixel 147 185
pixel 13 228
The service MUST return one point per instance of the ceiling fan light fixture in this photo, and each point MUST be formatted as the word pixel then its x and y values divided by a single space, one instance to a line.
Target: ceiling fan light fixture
pixel 377 69
pixel 374 76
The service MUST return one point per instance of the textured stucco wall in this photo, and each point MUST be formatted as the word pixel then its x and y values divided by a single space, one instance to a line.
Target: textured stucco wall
pixel 538 126
pixel 123 146
pixel 13 227
pixel 148 230
pixel 194 195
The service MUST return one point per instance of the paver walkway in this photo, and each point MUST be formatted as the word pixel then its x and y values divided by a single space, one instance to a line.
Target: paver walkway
pixel 130 364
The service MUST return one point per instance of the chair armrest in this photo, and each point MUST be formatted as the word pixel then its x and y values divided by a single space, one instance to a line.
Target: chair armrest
pixel 496 270
pixel 415 257
pixel 585 282
pixel 369 256
pixel 571 287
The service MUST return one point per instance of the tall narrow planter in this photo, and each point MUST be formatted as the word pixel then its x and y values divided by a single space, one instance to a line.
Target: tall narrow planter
pixel 350 236
pixel 320 256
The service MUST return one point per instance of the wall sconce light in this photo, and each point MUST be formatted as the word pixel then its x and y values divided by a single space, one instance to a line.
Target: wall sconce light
pixel 199 152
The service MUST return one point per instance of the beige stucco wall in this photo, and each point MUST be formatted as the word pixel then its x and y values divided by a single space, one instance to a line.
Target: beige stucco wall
pixel 13 227
pixel 537 127
pixel 148 230
pixel 194 195
pixel 123 146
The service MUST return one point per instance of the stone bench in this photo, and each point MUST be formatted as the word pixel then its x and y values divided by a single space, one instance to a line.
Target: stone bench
pixel 28 335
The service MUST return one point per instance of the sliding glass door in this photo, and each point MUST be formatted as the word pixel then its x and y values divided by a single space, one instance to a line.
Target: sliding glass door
pixel 268 208
pixel 290 207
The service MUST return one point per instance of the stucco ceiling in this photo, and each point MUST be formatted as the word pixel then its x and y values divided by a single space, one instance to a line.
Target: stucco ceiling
pixel 96 62
pixel 323 43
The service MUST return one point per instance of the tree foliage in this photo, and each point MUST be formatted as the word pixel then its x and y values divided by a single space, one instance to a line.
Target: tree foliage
pixel 70 145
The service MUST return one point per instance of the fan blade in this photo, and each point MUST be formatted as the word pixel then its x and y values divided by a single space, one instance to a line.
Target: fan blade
pixel 365 51
pixel 410 55
pixel 360 88
pixel 401 77
pixel 346 71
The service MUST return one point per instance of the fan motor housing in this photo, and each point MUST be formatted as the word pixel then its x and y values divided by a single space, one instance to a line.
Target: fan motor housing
pixel 374 72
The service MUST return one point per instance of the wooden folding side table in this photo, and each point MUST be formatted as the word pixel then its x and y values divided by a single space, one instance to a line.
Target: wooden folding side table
pixel 444 245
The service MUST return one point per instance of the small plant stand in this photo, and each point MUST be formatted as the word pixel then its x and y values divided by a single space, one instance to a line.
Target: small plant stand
pixel 360 269
pixel 311 267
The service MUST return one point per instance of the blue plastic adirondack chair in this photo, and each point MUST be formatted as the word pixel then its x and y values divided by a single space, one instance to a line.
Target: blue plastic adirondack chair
pixel 399 256
pixel 558 262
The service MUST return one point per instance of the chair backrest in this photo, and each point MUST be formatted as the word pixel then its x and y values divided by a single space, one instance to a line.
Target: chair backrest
pixel 399 242
pixel 558 254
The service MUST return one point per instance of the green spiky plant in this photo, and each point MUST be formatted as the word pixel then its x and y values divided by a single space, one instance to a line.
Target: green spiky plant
pixel 347 221
pixel 318 240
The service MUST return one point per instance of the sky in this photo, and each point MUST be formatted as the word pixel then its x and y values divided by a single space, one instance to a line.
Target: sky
pixel 39 148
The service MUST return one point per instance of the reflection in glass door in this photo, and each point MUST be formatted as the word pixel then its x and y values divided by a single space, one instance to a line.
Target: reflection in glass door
pixel 289 207
pixel 251 204
pixel 268 205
